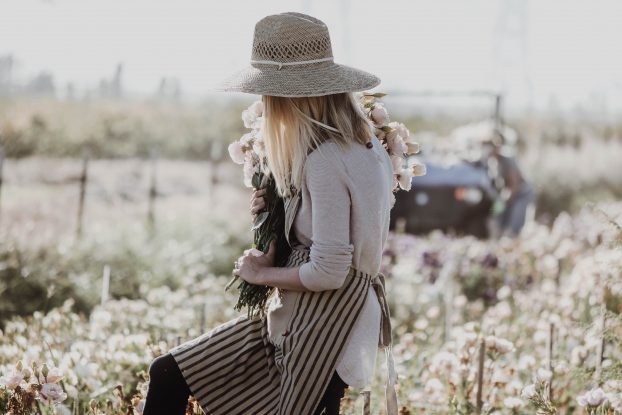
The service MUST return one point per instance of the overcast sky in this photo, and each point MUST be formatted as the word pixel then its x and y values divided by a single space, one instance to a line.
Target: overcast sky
pixel 567 51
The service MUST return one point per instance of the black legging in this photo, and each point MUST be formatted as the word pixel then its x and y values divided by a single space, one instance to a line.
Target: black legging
pixel 168 392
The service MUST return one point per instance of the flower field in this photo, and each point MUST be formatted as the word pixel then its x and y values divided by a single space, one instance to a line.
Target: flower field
pixel 511 326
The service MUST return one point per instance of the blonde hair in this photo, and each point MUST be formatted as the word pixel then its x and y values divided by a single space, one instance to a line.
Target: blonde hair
pixel 293 127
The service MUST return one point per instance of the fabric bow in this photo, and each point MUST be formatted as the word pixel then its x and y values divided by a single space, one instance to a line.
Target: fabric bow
pixel 385 341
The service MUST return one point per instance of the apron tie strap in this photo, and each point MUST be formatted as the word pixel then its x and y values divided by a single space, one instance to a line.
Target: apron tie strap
pixel 385 341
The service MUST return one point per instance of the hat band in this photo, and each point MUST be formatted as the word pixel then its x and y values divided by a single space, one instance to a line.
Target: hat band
pixel 281 64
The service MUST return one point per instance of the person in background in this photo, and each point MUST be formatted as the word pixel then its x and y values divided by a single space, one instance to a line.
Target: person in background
pixel 515 192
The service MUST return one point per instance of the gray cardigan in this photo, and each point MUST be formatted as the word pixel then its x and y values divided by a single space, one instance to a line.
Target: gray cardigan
pixel 343 217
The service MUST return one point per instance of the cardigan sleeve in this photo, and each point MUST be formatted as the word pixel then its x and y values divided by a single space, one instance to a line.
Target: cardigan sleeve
pixel 331 251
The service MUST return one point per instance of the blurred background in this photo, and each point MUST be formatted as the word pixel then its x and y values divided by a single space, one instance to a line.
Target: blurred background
pixel 117 191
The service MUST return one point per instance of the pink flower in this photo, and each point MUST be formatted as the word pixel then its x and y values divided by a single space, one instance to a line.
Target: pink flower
pixel 54 375
pixel 592 398
pixel 13 380
pixel 52 393
pixel 236 153
pixel 397 162
pixel 252 116
pixel 401 129
pixel 256 108
pixel 379 115
pixel 396 143
pixel 249 170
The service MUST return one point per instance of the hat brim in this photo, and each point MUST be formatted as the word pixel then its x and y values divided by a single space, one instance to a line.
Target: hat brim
pixel 299 81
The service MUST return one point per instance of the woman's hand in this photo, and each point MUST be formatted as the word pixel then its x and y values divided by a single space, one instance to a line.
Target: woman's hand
pixel 249 265
pixel 257 202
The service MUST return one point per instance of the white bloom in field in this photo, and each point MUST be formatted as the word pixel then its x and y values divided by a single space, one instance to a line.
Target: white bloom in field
pixel 53 376
pixel 500 377
pixel 528 392
pixel 379 115
pixel 544 375
pixel 236 153
pixel 512 402
pixel 499 345
pixel 434 386
pixel 592 398
pixel 444 363
pixel 504 292
pixel 526 362
pixel 13 380
pixel 52 393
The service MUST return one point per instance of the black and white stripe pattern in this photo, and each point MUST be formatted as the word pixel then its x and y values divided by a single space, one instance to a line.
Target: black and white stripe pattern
pixel 234 369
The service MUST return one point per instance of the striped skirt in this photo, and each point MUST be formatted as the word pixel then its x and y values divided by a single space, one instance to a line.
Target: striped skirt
pixel 235 369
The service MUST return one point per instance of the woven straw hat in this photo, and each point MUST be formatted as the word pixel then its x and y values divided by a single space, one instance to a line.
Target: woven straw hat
pixel 292 57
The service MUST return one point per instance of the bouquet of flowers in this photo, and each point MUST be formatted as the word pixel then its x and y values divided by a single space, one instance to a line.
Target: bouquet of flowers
pixel 249 151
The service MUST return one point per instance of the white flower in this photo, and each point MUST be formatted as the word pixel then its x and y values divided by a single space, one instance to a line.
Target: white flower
pixel 401 129
pixel 504 292
pixel 259 147
pixel 405 179
pixel 13 380
pixel 528 391
pixel 544 375
pixel 499 345
pixel 512 402
pixel 54 375
pixel 256 108
pixel 236 153
pixel 396 144
pixel 379 115
pixel 397 163
pixel 52 393
pixel 592 398
pixel 252 115
pixel 249 170
pixel 246 139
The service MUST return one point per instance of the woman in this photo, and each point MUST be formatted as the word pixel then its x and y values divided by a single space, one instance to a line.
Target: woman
pixel 322 331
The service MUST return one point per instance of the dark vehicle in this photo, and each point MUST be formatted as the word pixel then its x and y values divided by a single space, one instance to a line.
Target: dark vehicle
pixel 457 198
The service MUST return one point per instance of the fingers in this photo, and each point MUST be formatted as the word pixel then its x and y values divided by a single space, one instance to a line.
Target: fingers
pixel 259 193
pixel 257 204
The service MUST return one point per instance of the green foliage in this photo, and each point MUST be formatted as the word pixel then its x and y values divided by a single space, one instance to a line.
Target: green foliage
pixel 268 226
pixel 39 279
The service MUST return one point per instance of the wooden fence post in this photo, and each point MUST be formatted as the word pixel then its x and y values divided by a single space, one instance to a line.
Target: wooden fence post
pixel 216 158
pixel 105 284
pixel 480 376
pixel 549 357
pixel 601 347
pixel 153 189
pixel 366 402
pixel 83 181
pixel 1 178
